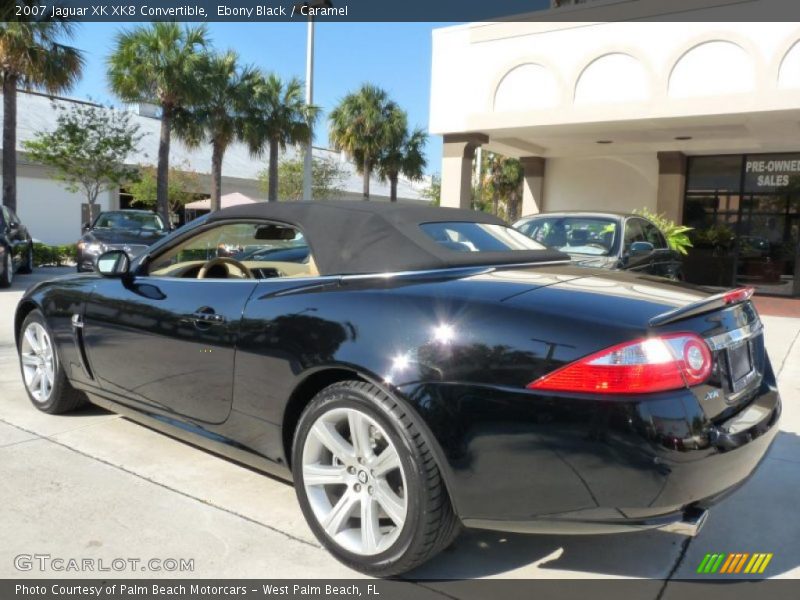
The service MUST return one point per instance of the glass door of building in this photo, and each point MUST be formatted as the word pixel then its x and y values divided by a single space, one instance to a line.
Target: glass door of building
pixel 745 215
pixel 768 241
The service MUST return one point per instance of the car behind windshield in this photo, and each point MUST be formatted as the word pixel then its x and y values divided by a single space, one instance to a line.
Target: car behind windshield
pixel 592 236
pixel 129 220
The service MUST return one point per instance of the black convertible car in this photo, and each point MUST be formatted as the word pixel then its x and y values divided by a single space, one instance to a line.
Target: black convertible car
pixel 421 370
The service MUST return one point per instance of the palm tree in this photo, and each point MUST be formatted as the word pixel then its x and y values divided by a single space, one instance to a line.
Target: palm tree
pixel 156 64
pixel 362 125
pixel 503 178
pixel 31 56
pixel 278 116
pixel 218 114
pixel 493 176
pixel 404 155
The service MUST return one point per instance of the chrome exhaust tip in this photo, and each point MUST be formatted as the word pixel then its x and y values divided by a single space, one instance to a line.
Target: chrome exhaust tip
pixel 691 523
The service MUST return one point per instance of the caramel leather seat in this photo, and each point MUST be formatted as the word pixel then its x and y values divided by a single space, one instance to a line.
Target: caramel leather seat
pixel 313 271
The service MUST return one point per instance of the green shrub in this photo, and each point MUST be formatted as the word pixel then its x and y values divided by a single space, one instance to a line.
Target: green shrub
pixel 54 256
pixel 68 253
pixel 717 236
pixel 42 254
pixel 675 234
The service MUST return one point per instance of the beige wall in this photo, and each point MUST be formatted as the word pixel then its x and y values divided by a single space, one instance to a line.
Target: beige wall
pixel 600 99
pixel 51 213
pixel 617 183
pixel 501 76
pixel 248 187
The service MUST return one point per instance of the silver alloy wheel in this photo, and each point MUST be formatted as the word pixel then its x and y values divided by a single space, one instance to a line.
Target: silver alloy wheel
pixel 38 362
pixel 354 481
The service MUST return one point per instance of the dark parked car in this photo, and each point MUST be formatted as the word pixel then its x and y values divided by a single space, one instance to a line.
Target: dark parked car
pixel 606 240
pixel 16 247
pixel 132 231
pixel 408 386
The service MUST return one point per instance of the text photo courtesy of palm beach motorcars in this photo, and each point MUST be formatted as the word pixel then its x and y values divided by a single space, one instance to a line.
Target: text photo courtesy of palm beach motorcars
pixel 505 299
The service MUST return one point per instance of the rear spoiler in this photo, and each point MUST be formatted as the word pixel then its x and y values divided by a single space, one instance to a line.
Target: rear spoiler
pixel 714 302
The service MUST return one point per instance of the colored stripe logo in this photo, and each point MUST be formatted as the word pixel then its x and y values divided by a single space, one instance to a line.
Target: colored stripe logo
pixel 734 562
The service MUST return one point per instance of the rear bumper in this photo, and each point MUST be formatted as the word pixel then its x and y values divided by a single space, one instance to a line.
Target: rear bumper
pixel 687 522
pixel 521 462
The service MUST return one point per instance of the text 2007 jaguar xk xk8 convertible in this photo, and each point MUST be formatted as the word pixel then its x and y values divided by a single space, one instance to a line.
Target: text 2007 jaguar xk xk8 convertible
pixel 417 370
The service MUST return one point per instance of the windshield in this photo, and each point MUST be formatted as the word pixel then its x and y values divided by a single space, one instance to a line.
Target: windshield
pixel 592 236
pixel 250 242
pixel 478 237
pixel 129 220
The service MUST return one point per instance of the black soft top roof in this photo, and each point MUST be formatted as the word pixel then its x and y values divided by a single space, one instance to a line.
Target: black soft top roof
pixel 353 237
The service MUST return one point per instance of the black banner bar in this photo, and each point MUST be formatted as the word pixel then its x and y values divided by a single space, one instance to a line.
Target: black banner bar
pixel 505 589
pixel 399 10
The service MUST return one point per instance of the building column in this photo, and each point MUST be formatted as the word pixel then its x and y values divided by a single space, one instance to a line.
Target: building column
pixel 457 155
pixel 671 185
pixel 113 199
pixel 532 185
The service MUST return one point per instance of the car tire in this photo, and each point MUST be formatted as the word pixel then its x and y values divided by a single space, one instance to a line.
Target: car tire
pixel 42 373
pixel 422 521
pixel 27 268
pixel 7 274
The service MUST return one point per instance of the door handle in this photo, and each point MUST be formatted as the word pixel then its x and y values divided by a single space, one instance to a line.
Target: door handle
pixel 206 316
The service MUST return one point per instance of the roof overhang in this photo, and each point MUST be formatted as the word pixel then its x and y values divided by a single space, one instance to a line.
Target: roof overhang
pixel 757 131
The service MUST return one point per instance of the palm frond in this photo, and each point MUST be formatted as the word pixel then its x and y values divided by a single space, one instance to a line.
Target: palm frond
pixel 32 53
pixel 277 112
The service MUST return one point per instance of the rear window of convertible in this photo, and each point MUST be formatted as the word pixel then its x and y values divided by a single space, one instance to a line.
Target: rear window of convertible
pixel 478 237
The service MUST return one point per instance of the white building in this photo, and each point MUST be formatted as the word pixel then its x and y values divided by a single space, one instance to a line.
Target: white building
pixel 698 120
pixel 53 214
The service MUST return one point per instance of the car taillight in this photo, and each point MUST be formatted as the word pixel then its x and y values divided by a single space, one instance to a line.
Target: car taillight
pixel 644 366
pixel 738 295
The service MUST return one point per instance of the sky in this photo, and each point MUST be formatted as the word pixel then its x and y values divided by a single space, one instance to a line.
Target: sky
pixel 394 56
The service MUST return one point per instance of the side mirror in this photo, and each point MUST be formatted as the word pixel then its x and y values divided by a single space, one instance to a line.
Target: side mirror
pixel 86 226
pixel 13 224
pixel 640 249
pixel 114 263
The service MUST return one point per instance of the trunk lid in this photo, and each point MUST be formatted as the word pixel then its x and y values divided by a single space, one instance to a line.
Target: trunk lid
pixel 641 305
